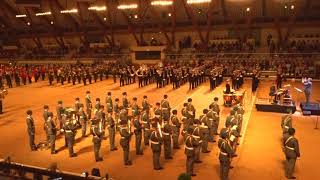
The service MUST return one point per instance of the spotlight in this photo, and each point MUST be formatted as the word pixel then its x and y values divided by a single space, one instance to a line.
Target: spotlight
pixel 248 9
pixel 28 23
pixel 136 16
pixel 292 7
pixel 104 18
pixel 51 22
pixel 169 14
pixel 285 6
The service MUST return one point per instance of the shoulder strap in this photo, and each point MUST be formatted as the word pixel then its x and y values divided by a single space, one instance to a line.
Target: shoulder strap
pixel 287 141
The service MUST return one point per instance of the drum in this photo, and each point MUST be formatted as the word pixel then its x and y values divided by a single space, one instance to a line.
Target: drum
pixel 238 98
pixel 227 99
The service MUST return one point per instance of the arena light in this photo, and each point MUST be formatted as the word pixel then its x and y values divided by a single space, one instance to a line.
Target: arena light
pixel 21 15
pixel 198 1
pixel 292 7
pixel 43 13
pixel 127 6
pixel 97 8
pixel 161 3
pixel 69 11
pixel 248 9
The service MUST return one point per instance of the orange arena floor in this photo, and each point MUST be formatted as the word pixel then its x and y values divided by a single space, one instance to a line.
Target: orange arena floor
pixel 259 154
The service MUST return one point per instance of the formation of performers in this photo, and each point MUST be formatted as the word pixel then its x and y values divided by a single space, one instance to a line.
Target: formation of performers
pixel 290 145
pixel 159 126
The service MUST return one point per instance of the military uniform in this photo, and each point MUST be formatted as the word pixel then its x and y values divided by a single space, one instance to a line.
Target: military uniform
pixel 292 152
pixel 138 134
pixel 175 131
pixel 146 127
pixel 165 110
pixel 45 118
pixel 213 122
pixel 156 141
pixel 190 144
pixel 31 132
pixel 88 105
pixel 226 152
pixel 205 132
pixel 125 144
pixel 145 105
pixel 83 120
pixel 109 104
pixel 97 135
pixel 135 109
pixel 112 131
pixel 196 134
pixel 59 114
pixel 70 133
pixel 51 130
pixel 167 132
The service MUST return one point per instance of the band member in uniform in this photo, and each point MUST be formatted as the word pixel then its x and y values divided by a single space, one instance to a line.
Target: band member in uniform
pixel 157 112
pixel 88 104
pixel 112 131
pixel 175 129
pixel 190 144
pixel 167 132
pixel 292 152
pixel 83 120
pixel 116 110
pixel 165 108
pixel 197 135
pixel 97 136
pixel 145 118
pixel 145 104
pixel 60 110
pixel 31 130
pixel 135 108
pixel 51 129
pixel 125 101
pixel 138 134
pixel 97 106
pixel 109 104
pixel 156 141
pixel 226 152
pixel 70 133
pixel 307 89
pixel 125 142
pixel 204 120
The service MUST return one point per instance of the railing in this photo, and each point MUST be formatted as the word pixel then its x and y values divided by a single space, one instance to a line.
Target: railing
pixel 23 171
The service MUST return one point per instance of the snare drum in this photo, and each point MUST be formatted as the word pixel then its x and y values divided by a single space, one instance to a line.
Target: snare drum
pixel 238 98
pixel 227 99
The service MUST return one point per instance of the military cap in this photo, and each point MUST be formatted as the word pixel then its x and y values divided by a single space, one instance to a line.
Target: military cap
pixel 59 102
pixel 216 99
pixel 87 92
pixel 97 99
pixel 109 93
pixel 165 96
pixel 189 100
pixel 174 111
pixel 158 104
pixel 144 97
pixel 124 93
pixel 223 134
pixel 117 99
pixel 29 112
pixel 205 111
pixel 45 107
pixel 134 98
pixel 77 99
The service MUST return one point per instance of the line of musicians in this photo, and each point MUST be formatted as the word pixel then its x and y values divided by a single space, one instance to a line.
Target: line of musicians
pixel 157 126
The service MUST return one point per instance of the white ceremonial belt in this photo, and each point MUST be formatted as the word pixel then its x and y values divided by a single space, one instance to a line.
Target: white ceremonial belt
pixel 174 125
pixel 189 148
pixel 226 154
pixel 153 142
pixel 157 116
pixel 287 127
pixel 290 148
pixel 200 141
pixel 165 108
pixel 197 137
pixel 210 119
pixel 122 137
pixel 144 122
pixel 146 128
pixel 68 131
pixel 164 133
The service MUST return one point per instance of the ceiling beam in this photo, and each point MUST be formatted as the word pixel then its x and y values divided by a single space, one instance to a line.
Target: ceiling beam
pixel 209 21
pixel 191 16
pixel 69 16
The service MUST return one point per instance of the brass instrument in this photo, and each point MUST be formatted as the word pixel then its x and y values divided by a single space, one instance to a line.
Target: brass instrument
pixel 3 93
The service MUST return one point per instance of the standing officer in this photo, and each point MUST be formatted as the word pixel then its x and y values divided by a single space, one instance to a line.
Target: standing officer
pixel 189 151
pixel 112 131
pixel 70 132
pixel 125 101
pixel 205 131
pixel 292 152
pixel 215 105
pixel 156 140
pixel 157 112
pixel 138 133
pixel 191 111
pixel 196 134
pixel 109 104
pixel 45 118
pixel 97 106
pixel 31 130
pixel 59 113
pixel 175 129
pixel 165 108
pixel 135 108
pixel 167 132
pixel 125 142
pixel 51 130
pixel 145 104
pixel 212 125
pixel 83 120
pixel 88 104
pixel 116 110
pixel 97 136
pixel 145 118
pixel 226 152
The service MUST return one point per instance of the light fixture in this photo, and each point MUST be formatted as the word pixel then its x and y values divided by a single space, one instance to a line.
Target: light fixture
pixel 51 22
pixel 136 16
pixel 127 6
pixel 169 14
pixel 248 9
pixel 21 15
pixel 161 3
pixel 104 18
pixel 292 7
pixel 285 6
pixel 28 23
pixel 198 1
pixel 69 11
pixel 43 13
pixel 97 8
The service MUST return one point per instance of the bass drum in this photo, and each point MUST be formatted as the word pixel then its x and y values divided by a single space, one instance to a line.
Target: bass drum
pixel 238 98
pixel 227 100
